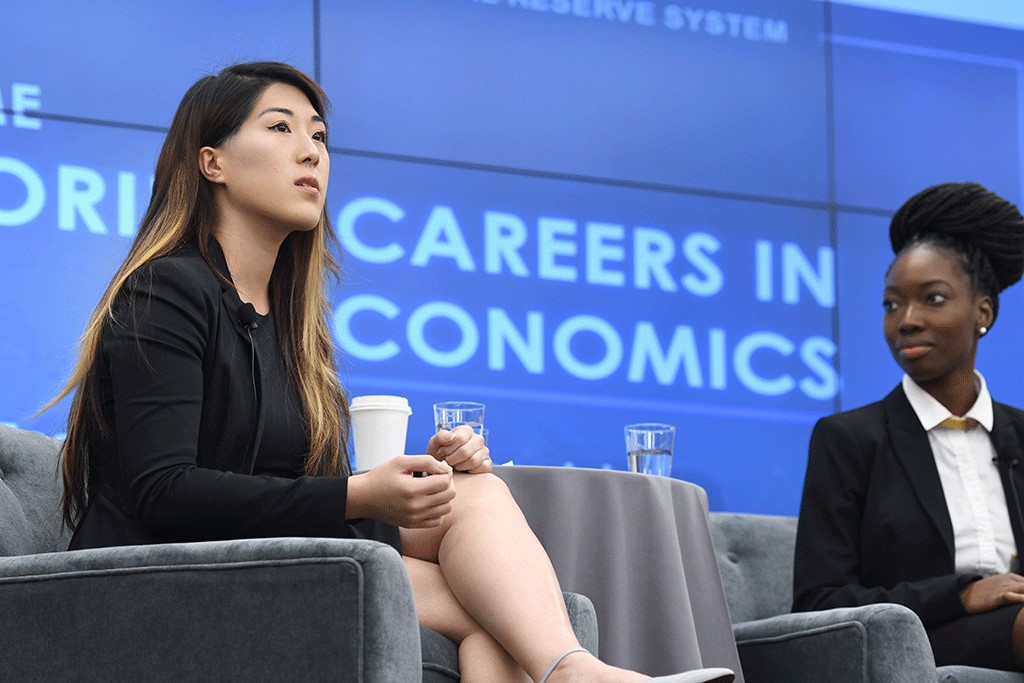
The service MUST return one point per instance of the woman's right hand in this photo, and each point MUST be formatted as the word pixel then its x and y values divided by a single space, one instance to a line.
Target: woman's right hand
pixel 991 592
pixel 390 492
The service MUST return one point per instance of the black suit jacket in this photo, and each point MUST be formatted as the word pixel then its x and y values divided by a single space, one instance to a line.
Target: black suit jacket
pixel 873 523
pixel 179 383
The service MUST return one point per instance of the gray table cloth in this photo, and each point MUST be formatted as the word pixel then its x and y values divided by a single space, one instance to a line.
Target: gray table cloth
pixel 639 547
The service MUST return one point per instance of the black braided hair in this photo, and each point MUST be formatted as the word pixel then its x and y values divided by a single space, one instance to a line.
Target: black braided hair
pixel 985 230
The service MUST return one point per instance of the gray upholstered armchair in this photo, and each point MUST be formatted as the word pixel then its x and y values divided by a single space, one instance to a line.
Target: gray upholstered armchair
pixel 266 609
pixel 878 643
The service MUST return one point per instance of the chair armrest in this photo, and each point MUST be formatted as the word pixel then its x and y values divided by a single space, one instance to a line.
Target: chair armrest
pixel 970 674
pixel 584 620
pixel 883 642
pixel 263 609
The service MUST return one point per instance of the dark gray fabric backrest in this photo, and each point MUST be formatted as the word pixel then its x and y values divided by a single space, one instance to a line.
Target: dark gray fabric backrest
pixel 30 491
pixel 755 558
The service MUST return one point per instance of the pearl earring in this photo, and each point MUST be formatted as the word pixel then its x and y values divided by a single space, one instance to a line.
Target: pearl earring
pixel 982 331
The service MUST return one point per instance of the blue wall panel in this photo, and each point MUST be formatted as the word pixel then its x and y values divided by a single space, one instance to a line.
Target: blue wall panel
pixel 582 213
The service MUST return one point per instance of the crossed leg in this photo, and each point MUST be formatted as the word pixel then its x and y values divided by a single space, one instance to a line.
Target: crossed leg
pixel 484 578
pixel 481 658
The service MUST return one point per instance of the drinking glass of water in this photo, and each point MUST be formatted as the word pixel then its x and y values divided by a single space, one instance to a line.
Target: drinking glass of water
pixel 451 414
pixel 649 448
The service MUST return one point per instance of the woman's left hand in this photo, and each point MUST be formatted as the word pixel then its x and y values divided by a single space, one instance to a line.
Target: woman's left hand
pixel 462 448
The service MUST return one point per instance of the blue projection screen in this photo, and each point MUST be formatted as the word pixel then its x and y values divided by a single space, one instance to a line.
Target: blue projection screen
pixel 584 213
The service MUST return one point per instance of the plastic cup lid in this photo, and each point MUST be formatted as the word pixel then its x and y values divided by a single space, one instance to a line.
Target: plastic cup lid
pixel 378 402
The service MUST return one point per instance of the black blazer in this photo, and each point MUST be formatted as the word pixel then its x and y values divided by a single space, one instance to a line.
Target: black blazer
pixel 179 383
pixel 873 523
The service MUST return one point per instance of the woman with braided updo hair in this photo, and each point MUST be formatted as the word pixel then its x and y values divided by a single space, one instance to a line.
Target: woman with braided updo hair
pixel 916 499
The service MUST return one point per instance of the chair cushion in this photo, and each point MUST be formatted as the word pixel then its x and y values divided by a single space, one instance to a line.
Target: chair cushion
pixel 755 558
pixel 30 491
pixel 440 657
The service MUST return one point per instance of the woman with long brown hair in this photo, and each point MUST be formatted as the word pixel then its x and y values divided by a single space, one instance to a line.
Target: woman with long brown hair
pixel 207 405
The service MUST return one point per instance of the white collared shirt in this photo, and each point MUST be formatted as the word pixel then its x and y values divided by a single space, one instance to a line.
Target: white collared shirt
pixel 982 535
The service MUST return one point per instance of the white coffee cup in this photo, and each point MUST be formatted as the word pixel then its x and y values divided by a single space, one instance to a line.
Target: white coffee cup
pixel 379 425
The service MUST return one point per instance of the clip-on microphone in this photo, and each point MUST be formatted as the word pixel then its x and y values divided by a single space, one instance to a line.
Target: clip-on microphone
pixel 248 317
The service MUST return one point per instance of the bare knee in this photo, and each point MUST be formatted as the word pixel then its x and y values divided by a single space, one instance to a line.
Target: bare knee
pixel 476 495
pixel 481 488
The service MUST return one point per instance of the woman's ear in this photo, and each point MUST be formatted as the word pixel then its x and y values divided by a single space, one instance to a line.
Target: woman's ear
pixel 984 316
pixel 209 165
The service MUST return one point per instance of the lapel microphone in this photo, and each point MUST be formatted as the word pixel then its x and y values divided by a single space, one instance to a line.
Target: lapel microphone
pixel 248 317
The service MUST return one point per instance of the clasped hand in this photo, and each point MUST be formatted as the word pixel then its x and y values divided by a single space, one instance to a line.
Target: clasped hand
pixel 991 592
pixel 462 448
pixel 390 492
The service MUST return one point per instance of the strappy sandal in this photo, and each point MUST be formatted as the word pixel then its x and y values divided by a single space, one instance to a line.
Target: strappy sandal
pixel 716 675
